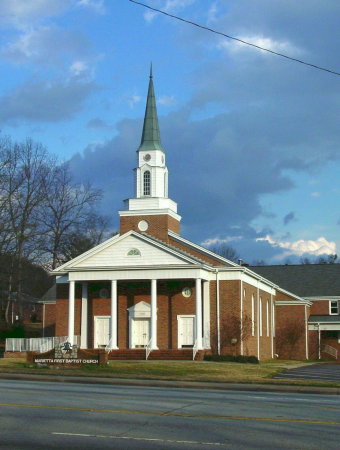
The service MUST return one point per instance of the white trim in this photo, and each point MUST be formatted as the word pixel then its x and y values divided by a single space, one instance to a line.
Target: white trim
pixel 150 212
pixel 113 317
pixel 322 298
pixel 267 318
pixel 154 315
pixel 290 303
pixel 260 317
pixel 330 307
pixel 252 315
pixel 271 326
pixel 218 318
pixel 71 265
pixel 140 274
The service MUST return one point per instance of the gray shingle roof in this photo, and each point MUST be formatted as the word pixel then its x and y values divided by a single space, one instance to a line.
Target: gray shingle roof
pixel 305 280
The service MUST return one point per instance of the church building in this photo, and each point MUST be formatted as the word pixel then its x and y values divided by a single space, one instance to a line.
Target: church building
pixel 149 292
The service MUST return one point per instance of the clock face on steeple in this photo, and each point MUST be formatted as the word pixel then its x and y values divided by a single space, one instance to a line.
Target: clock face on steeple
pixel 147 157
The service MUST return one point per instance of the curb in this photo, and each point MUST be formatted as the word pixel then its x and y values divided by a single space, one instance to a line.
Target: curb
pixel 173 384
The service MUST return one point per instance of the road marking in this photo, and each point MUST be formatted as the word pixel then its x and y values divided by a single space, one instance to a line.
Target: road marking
pixel 169 441
pixel 172 414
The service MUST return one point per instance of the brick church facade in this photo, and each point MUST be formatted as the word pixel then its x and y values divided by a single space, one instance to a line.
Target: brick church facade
pixel 150 288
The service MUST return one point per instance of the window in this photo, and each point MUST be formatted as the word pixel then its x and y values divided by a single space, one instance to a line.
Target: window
pixel 334 307
pixel 134 252
pixel 260 316
pixel 147 183
pixel 267 318
pixel 252 316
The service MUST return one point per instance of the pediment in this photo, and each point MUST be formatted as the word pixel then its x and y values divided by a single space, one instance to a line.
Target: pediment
pixel 130 249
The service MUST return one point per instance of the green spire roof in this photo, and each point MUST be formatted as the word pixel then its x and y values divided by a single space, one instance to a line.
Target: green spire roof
pixel 150 138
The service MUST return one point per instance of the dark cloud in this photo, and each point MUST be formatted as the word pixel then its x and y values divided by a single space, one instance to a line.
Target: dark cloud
pixel 44 101
pixel 289 218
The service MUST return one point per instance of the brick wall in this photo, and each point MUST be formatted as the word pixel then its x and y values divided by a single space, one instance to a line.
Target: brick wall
pixel 158 225
pixel 49 319
pixel 290 332
pixel 320 307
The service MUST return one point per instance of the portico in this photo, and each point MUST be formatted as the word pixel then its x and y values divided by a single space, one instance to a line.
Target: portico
pixel 149 299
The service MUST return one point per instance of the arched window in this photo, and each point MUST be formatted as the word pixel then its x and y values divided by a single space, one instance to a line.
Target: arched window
pixel 134 252
pixel 147 183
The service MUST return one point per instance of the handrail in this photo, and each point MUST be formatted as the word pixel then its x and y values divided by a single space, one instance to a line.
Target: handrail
pixel 108 345
pixel 194 350
pixel 330 350
pixel 148 349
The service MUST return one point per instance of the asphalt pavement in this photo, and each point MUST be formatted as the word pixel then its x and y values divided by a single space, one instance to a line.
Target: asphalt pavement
pixel 315 372
pixel 80 416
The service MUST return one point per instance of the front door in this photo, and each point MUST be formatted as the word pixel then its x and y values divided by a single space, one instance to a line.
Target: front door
pixel 141 332
pixel 101 331
pixel 186 331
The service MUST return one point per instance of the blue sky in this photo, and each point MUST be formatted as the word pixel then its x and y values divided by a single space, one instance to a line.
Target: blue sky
pixel 252 139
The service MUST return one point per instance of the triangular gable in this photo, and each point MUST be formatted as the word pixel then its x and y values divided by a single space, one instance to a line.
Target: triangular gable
pixel 130 249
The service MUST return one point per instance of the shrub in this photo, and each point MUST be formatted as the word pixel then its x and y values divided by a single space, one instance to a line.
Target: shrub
pixel 231 358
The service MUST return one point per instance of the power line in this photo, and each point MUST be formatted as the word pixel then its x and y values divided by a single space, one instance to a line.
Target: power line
pixel 233 38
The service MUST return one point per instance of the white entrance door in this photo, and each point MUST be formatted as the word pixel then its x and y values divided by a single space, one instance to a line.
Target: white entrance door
pixel 186 331
pixel 141 332
pixel 101 331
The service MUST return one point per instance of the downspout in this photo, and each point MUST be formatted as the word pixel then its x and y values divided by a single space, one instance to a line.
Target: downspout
pixel 271 325
pixel 43 330
pixel 241 323
pixel 218 315
pixel 258 322
pixel 306 326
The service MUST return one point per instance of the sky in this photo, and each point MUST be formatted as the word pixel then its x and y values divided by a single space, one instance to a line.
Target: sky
pixel 251 138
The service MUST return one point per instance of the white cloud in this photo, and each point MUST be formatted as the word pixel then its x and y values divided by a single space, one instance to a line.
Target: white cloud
pixel 167 100
pixel 171 6
pixel 315 194
pixel 95 5
pixel 318 247
pixel 79 68
pixel 133 100
pixel 21 13
pixel 283 46
pixel 48 45
pixel 217 241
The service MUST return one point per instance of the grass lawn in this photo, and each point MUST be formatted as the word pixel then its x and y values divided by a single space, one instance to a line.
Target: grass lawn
pixel 175 370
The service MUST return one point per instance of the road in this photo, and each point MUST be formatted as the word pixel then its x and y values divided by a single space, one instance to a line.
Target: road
pixel 44 415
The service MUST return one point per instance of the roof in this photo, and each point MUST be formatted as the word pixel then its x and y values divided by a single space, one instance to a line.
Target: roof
pixel 330 319
pixel 305 280
pixel 150 137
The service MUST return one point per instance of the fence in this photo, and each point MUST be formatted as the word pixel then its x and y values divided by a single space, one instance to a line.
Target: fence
pixel 36 344
pixel 331 351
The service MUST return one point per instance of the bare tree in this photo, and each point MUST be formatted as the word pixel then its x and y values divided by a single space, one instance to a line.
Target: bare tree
pixel 226 251
pixel 232 327
pixel 68 210
pixel 24 169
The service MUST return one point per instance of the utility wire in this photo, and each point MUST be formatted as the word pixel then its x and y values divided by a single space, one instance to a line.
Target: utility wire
pixel 233 38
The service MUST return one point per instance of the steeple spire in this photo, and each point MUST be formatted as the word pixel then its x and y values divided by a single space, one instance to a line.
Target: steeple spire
pixel 150 137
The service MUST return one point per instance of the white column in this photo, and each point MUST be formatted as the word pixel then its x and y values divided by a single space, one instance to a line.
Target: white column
pixel 154 314
pixel 71 313
pixel 84 314
pixel 113 318
pixel 206 314
pixel 199 314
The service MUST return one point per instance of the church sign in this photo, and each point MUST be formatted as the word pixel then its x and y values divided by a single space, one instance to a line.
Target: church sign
pixel 68 355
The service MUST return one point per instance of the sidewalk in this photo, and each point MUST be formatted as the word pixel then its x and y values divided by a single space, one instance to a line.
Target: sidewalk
pixel 174 384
